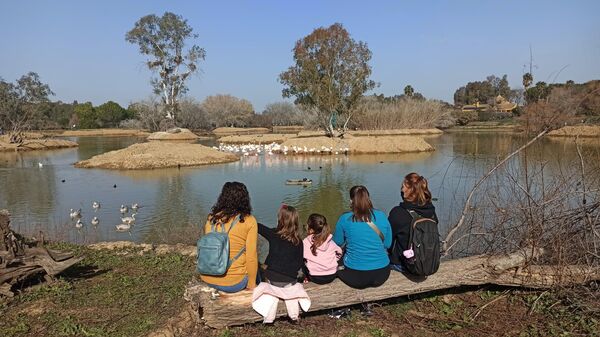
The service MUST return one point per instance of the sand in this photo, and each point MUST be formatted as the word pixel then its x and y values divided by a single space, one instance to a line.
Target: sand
pixel 579 130
pixel 153 155
pixel 358 145
pixel 104 132
pixel 220 132
pixel 36 144
pixel 174 134
pixel 256 139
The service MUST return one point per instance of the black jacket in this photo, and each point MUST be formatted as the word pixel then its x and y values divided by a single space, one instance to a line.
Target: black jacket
pixel 284 259
pixel 400 221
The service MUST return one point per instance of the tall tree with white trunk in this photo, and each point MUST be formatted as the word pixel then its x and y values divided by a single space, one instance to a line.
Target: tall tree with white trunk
pixel 163 40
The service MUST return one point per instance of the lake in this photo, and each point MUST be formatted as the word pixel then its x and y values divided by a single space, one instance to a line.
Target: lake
pixel 175 202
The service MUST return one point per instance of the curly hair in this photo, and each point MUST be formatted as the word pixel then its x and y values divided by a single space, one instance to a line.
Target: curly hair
pixel 233 200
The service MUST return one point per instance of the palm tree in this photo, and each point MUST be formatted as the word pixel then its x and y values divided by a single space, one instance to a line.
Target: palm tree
pixel 527 80
pixel 409 91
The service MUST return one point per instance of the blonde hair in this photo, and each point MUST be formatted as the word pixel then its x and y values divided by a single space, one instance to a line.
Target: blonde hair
pixel 288 224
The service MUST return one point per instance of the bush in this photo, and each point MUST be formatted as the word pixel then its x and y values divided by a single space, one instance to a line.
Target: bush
pixel 135 124
pixel 373 114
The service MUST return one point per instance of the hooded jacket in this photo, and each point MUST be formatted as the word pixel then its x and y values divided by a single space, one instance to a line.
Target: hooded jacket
pixel 400 221
pixel 326 260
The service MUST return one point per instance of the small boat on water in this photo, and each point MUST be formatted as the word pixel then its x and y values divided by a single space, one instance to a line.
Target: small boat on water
pixel 303 182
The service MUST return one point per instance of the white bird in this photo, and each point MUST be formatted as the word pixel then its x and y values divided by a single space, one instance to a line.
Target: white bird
pixel 128 219
pixel 124 209
pixel 75 214
pixel 123 227
pixel 95 206
pixel 40 165
pixel 79 224
pixel 135 207
pixel 95 221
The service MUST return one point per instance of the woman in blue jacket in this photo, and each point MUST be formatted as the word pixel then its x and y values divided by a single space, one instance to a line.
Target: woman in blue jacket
pixel 367 234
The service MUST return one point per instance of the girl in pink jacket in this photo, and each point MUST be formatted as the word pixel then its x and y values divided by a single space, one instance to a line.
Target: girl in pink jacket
pixel 321 254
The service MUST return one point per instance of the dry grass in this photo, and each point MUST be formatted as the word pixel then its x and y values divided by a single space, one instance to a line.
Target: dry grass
pixel 372 114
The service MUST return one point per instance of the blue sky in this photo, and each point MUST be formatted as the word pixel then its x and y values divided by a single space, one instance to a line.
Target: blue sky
pixel 78 47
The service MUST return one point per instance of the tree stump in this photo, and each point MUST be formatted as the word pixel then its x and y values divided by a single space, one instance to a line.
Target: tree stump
pixel 218 309
pixel 20 260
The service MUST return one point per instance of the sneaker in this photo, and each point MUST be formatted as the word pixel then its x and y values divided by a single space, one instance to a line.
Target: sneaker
pixel 340 313
pixel 365 310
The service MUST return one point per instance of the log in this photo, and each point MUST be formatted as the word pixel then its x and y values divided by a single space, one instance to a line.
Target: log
pixel 218 309
pixel 20 261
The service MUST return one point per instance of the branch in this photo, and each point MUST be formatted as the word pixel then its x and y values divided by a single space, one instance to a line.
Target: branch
pixel 468 202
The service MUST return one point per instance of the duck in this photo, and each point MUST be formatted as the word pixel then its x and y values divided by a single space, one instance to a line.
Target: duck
pixel 75 214
pixel 135 207
pixel 124 209
pixel 123 227
pixel 129 219
pixel 40 165
pixel 95 206
pixel 79 224
pixel 95 221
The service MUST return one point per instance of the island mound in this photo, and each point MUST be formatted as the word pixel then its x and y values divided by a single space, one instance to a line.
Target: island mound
pixel 174 134
pixel 154 155
pixel 577 131
pixel 104 133
pixel 35 142
pixel 226 131
pixel 358 145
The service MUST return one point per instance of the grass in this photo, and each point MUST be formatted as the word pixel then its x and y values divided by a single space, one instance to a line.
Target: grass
pixel 127 293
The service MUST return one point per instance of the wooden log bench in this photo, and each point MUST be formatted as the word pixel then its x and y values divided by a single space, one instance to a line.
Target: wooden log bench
pixel 218 309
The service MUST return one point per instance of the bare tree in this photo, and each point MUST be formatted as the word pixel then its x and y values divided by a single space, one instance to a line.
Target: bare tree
pixel 227 110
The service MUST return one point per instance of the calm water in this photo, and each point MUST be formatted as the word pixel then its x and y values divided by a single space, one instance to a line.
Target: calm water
pixel 174 202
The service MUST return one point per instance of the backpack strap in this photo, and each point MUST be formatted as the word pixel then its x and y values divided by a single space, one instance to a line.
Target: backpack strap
pixel 376 230
pixel 237 218
pixel 237 256
pixel 411 235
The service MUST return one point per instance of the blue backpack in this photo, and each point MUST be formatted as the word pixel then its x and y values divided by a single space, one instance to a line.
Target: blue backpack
pixel 213 251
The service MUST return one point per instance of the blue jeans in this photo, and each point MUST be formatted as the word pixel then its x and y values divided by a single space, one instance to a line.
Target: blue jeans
pixel 397 267
pixel 232 289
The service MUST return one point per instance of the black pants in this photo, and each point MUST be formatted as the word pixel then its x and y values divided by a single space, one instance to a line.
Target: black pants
pixel 318 279
pixel 361 279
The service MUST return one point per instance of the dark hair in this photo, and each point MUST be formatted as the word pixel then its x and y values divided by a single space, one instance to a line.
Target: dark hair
pixel 418 191
pixel 320 230
pixel 233 200
pixel 362 207
pixel 288 224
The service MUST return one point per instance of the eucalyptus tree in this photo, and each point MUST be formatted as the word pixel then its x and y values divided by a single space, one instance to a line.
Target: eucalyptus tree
pixel 163 40
pixel 19 103
pixel 409 90
pixel 330 75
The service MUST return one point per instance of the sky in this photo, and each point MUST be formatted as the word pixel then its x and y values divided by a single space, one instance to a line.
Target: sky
pixel 79 47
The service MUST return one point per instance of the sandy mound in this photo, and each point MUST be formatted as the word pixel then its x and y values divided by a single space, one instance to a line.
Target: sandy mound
pixel 104 132
pixel 37 144
pixel 157 155
pixel 256 139
pixel 219 132
pixel 397 132
pixel 384 144
pixel 574 131
pixel 174 134
pixel 287 129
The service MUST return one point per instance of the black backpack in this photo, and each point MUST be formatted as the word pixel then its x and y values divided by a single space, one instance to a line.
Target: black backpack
pixel 425 243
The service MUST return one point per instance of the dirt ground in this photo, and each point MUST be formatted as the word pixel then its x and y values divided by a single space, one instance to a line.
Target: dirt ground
pixel 267 138
pixel 153 155
pixel 38 144
pixel 223 131
pixel 104 132
pixel 365 144
pixel 574 131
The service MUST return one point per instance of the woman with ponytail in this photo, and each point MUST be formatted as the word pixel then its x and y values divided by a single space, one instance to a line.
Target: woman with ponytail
pixel 366 233
pixel 415 197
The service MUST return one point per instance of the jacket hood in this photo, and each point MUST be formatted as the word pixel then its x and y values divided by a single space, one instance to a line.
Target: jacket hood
pixel 427 210
pixel 325 246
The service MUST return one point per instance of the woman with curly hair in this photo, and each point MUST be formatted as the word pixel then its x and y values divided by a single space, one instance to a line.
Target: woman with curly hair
pixel 233 209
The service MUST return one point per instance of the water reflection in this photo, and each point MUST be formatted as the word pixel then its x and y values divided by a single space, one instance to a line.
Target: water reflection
pixel 175 202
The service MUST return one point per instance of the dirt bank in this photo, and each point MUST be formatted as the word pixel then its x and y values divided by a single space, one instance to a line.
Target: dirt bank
pixel 104 132
pixel 157 155
pixel 366 144
pixel 397 132
pixel 174 134
pixel 37 144
pixel 257 139
pixel 574 131
pixel 287 129
pixel 220 132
